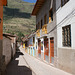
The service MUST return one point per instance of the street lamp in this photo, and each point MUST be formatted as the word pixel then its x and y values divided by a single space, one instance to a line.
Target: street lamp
pixel 0 20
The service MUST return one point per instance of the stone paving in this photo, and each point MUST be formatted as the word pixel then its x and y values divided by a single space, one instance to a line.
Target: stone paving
pixel 24 64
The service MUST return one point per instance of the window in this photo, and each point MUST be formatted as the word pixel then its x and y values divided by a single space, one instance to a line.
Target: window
pixel 50 16
pixel 63 2
pixel 42 45
pixel 33 40
pixel 37 27
pixel 41 23
pixel 45 19
pixel 36 45
pixel 66 32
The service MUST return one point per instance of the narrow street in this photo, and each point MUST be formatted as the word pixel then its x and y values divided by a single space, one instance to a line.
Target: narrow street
pixel 24 64
pixel 37 37
pixel 18 66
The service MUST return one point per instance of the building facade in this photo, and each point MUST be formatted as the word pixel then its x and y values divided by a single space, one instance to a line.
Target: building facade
pixel 65 17
pixel 55 23
pixel 45 12
pixel 31 44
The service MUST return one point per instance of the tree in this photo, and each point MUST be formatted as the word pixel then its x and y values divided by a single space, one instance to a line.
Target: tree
pixel 20 35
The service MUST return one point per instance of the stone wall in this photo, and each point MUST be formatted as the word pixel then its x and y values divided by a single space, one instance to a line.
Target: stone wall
pixel 1 48
pixel 7 49
pixel 2 59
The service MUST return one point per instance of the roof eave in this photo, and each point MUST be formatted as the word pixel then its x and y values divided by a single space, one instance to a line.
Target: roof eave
pixel 37 7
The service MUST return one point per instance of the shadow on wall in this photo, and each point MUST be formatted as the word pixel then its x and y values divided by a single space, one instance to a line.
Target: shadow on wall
pixel 14 69
pixel 15 13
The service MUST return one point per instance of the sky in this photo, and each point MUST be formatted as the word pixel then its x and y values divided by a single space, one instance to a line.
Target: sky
pixel 30 1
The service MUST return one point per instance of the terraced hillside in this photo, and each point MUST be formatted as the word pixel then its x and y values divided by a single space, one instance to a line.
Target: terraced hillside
pixel 17 17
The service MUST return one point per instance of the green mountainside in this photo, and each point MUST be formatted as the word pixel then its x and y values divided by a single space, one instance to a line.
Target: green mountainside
pixel 17 17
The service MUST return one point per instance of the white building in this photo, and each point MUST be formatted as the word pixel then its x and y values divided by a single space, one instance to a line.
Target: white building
pixel 65 18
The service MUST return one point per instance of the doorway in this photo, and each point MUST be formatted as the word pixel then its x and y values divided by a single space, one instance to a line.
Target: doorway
pixel 39 48
pixel 46 50
pixel 52 50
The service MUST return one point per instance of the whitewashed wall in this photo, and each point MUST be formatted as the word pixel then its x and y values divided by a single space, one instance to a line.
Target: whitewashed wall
pixel 66 55
pixel 66 15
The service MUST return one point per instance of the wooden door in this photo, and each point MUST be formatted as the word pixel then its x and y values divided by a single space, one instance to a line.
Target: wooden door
pixel 39 46
pixel 51 49
pixel 46 48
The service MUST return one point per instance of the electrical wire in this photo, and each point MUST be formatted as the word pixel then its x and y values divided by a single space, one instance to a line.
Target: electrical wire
pixel 62 21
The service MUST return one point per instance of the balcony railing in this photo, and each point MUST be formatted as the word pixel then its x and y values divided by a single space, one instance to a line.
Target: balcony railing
pixel 44 29
pixel 38 33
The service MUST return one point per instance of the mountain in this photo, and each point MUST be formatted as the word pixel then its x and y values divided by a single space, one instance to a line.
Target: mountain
pixel 17 17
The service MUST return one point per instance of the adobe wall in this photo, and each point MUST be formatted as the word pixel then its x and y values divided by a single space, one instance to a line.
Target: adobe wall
pixel 7 49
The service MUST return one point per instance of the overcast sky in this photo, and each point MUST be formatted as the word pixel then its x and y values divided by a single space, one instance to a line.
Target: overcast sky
pixel 31 1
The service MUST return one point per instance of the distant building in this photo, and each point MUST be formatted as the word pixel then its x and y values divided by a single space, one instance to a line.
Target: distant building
pixel 30 44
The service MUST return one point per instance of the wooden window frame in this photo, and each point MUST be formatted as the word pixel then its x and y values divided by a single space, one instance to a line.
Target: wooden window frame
pixel 66 33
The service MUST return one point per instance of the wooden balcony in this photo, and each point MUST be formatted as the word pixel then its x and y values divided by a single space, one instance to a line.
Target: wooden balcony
pixel 44 29
pixel 38 33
